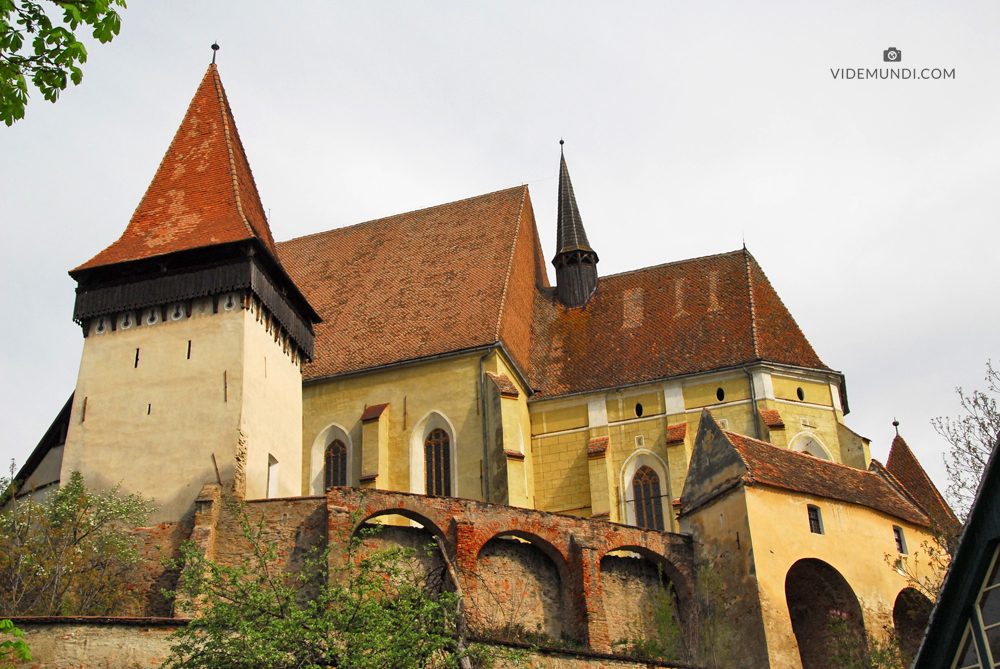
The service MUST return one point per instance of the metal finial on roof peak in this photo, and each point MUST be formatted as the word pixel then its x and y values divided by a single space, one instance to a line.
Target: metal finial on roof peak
pixel 215 50
pixel 895 424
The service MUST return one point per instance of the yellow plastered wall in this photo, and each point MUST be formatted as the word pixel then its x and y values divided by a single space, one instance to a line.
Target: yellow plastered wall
pixel 155 426
pixel 517 434
pixel 779 526
pixel 623 407
pixel 562 473
pixel 698 395
pixel 444 390
pixel 545 421
pixel 554 426
pixel 814 392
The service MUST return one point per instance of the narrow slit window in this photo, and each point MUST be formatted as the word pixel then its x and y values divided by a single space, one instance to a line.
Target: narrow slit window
pixel 815 520
pixel 897 532
pixel 272 477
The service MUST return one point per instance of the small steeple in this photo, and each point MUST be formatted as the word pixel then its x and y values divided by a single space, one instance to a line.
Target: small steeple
pixel 575 260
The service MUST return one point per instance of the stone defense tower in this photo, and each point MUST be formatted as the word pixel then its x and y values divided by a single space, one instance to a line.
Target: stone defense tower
pixel 194 334
pixel 575 261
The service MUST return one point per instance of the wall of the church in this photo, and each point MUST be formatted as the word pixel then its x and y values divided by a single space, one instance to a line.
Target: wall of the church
pixel 443 393
pixel 421 396
pixel 562 428
pixel 781 537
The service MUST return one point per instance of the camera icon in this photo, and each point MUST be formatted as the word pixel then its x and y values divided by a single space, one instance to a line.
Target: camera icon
pixel 892 55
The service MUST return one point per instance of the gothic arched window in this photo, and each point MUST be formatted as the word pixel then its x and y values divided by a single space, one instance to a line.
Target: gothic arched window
pixel 335 464
pixel 646 493
pixel 437 463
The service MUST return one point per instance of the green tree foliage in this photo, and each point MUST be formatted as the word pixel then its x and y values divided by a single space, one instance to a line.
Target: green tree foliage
pixel 35 44
pixel 70 554
pixel 12 650
pixel 971 438
pixel 374 611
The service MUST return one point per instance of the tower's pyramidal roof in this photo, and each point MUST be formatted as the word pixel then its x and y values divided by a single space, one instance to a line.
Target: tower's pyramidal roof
pixel 570 235
pixel 203 193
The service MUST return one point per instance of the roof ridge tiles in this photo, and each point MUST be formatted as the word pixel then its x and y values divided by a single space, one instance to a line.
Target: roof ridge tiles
pixel 223 103
pixel 753 309
pixel 669 264
pixel 412 212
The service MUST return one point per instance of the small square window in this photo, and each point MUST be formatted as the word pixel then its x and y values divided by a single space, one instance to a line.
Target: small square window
pixel 815 520
pixel 897 532
pixel 724 423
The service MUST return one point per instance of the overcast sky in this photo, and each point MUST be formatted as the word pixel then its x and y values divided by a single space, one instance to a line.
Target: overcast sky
pixel 871 205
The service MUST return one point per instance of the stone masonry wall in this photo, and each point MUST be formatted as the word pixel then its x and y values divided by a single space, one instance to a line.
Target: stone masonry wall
pixel 143 643
pixel 519 587
pixel 632 588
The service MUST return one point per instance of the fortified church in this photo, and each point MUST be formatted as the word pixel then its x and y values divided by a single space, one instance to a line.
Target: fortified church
pixel 421 368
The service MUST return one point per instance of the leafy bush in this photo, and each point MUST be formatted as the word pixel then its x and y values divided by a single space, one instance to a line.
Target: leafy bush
pixel 12 649
pixel 71 553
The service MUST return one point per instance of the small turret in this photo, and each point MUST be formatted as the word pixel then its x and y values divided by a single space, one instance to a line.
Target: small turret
pixel 575 261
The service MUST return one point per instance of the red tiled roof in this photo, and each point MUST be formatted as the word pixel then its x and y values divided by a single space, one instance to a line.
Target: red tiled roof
pixel 428 282
pixel 772 419
pixel 780 468
pixel 679 318
pixel 676 433
pixel 903 465
pixel 203 193
pixel 506 386
pixel 373 412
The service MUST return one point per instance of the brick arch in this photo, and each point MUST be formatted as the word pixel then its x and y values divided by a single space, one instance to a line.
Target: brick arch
pixel 555 554
pixel 362 506
pixel 409 514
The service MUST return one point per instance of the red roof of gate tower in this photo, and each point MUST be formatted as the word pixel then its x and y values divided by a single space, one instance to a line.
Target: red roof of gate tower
pixel 203 193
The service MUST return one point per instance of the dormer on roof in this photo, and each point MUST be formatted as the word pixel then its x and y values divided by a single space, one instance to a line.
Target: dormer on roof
pixel 575 261
pixel 200 229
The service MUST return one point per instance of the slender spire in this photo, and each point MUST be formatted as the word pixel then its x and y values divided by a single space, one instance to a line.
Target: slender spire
pixel 570 235
pixel 575 261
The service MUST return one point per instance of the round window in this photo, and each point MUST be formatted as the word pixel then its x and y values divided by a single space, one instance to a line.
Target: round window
pixel 154 316
pixel 230 302
pixel 801 394
pixel 102 326
pixel 720 394
pixel 126 322
pixel 638 410
pixel 176 313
